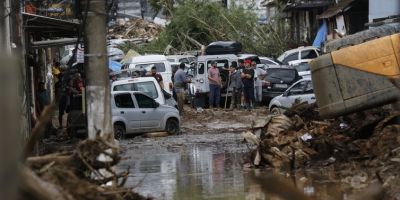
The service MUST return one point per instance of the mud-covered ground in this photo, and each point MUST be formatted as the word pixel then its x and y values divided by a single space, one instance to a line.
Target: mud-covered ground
pixel 209 160
pixel 357 157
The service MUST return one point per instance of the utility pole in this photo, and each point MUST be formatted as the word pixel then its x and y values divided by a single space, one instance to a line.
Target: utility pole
pixel 10 106
pixel 96 69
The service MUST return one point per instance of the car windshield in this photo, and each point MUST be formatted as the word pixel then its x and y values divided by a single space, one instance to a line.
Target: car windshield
pixel 287 75
pixel 146 87
pixel 160 66
pixel 302 67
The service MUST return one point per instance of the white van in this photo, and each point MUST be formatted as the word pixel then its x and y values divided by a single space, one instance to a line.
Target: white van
pixel 200 84
pixel 147 62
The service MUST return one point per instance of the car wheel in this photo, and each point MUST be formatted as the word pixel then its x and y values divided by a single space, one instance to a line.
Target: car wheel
pixel 276 111
pixel 119 131
pixel 172 126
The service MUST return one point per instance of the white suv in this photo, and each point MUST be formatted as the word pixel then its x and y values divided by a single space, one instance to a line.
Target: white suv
pixel 299 55
pixel 135 112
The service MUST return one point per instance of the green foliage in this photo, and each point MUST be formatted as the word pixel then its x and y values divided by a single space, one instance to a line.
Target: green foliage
pixel 202 22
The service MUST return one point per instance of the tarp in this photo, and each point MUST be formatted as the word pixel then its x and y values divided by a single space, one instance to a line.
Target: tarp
pixel 114 65
pixel 321 35
pixel 131 53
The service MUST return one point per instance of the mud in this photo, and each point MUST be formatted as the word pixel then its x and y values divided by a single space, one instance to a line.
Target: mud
pixel 208 161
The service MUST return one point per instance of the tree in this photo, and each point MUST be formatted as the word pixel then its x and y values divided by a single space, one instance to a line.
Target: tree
pixel 196 22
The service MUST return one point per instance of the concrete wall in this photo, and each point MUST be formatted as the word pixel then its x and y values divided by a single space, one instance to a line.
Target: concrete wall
pixel 383 8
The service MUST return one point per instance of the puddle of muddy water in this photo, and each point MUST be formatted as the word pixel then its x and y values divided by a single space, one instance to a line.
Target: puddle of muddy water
pixel 207 166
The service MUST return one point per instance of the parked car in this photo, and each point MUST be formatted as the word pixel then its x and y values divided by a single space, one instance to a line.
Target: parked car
pixel 135 112
pixel 279 79
pixel 299 55
pixel 147 85
pixel 301 91
pixel 303 69
pixel 145 63
pixel 268 61
pixel 187 59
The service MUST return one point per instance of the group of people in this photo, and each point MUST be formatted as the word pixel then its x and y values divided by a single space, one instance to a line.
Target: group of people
pixel 245 82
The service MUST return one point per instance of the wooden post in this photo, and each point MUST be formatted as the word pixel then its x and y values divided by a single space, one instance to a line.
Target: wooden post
pixel 96 69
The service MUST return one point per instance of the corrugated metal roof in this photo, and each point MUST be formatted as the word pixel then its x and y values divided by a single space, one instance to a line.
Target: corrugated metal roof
pixel 304 5
pixel 336 9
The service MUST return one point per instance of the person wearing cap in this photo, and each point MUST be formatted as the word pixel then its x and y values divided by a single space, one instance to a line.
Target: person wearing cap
pixel 248 84
pixel 214 79
pixel 236 85
pixel 258 77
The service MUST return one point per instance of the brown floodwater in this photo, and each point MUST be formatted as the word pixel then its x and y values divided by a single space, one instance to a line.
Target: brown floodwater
pixel 210 166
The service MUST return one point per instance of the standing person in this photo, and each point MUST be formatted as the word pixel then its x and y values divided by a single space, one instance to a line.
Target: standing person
pixel 214 79
pixel 43 97
pixel 78 83
pixel 248 84
pixel 241 95
pixel 259 76
pixel 63 98
pixel 236 85
pixel 157 76
pixel 179 85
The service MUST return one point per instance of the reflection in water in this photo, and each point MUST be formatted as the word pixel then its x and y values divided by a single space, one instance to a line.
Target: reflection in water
pixel 206 172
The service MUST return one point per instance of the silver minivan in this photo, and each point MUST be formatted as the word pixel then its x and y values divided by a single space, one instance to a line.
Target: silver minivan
pixel 135 112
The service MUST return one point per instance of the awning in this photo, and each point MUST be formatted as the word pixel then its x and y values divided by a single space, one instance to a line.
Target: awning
pixel 305 5
pixel 48 27
pixel 340 7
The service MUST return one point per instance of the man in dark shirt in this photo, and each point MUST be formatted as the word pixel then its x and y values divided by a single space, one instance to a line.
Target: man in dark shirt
pixel 157 76
pixel 248 84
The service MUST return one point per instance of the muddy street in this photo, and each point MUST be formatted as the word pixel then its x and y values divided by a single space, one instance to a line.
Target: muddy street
pixel 207 161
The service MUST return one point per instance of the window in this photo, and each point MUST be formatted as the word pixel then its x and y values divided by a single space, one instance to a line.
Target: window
pixel 144 101
pixel 267 62
pixel 124 101
pixel 291 57
pixel 309 88
pixel 302 67
pixel 201 68
pixel 309 54
pixel 160 66
pixel 184 60
pixel 148 87
pixel 299 88
pixel 286 75
pixel 220 63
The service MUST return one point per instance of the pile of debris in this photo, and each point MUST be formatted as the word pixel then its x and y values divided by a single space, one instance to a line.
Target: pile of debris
pixel 136 29
pixel 85 173
pixel 300 138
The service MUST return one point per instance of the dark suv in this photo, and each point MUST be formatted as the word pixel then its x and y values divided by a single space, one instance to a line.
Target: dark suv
pixel 280 79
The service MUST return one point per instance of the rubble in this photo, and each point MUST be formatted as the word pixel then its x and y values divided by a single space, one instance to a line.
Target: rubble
pixel 138 29
pixel 85 173
pixel 367 142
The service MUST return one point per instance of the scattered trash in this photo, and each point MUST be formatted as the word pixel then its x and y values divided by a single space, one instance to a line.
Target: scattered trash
pixel 343 126
pixel 306 137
